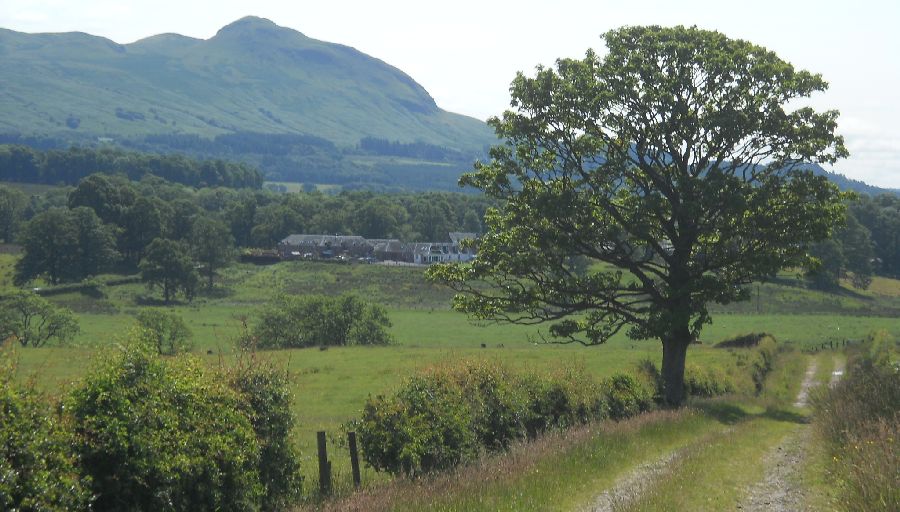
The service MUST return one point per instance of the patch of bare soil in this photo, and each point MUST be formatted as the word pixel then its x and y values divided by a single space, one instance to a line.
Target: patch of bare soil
pixel 782 489
pixel 808 383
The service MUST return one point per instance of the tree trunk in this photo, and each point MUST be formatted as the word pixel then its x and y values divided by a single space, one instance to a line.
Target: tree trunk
pixel 674 354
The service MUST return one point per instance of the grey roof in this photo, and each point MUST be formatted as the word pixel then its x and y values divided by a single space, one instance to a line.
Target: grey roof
pixel 324 240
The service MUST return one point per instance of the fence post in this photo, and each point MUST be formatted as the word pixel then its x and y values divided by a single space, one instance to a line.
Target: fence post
pixel 324 465
pixel 354 458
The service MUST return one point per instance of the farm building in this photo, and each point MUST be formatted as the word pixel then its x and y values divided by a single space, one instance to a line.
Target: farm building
pixel 324 246
pixel 334 246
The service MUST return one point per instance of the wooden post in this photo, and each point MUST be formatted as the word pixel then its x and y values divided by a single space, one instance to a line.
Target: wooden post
pixel 324 466
pixel 354 458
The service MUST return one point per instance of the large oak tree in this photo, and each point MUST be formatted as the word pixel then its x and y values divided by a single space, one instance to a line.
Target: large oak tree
pixel 672 165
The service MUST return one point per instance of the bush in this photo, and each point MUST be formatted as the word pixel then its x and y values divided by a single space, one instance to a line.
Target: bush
pixel 37 468
pixel 155 434
pixel 426 427
pixel 263 389
pixel 499 407
pixel 626 396
pixel 295 322
pixel 744 341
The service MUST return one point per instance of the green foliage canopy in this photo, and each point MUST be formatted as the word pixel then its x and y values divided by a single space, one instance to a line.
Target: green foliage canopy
pixel 168 266
pixel 65 245
pixel 167 330
pixel 33 321
pixel 672 163
pixel 163 434
pixel 36 463
pixel 309 321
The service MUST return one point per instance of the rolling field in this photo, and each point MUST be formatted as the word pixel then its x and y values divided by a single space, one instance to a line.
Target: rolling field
pixel 330 386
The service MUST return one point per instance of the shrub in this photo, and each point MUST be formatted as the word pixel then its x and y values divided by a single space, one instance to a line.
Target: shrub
pixel 498 406
pixel 294 322
pixel 37 467
pixel 626 396
pixel 426 427
pixel 263 389
pixel 549 405
pixel 156 434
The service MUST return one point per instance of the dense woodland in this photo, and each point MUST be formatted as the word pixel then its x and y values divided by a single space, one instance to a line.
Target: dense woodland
pixel 67 167
pixel 373 164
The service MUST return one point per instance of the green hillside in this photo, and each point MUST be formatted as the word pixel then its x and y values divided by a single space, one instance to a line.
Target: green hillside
pixel 252 76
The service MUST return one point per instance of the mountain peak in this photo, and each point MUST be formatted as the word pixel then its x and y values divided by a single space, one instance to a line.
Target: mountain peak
pixel 251 25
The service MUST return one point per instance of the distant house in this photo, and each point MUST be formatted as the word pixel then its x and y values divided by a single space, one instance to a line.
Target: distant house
pixel 324 246
pixel 335 246
pixel 391 250
pixel 443 252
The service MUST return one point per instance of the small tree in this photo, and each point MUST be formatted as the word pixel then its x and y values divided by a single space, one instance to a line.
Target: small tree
pixel 12 209
pixel 673 164
pixel 33 321
pixel 168 331
pixel 168 265
pixel 212 245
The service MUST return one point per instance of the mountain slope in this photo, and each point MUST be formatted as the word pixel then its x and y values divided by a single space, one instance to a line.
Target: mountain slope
pixel 252 76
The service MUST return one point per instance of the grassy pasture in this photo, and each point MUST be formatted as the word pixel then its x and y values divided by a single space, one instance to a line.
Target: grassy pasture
pixel 332 385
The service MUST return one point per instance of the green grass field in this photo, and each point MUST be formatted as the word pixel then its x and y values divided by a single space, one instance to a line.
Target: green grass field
pixel 330 386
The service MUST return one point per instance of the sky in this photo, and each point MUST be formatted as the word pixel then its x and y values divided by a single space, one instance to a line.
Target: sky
pixel 466 52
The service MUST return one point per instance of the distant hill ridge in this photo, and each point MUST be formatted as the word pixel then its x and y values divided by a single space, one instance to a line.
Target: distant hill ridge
pixel 252 76
pixel 297 108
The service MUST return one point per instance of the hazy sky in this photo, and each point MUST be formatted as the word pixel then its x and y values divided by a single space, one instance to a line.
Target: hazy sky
pixel 466 52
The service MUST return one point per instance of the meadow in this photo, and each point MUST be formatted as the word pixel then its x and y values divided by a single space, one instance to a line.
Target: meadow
pixel 330 386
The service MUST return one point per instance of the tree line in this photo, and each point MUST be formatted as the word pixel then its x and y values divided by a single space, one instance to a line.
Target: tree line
pixel 26 165
pixel 178 236
pixel 868 244
pixel 301 158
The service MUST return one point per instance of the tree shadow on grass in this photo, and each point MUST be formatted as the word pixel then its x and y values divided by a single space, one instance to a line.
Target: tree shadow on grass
pixel 150 300
pixel 217 292
pixel 785 415
pixel 730 414
pixel 722 412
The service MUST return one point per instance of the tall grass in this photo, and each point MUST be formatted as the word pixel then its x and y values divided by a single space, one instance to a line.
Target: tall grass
pixel 859 420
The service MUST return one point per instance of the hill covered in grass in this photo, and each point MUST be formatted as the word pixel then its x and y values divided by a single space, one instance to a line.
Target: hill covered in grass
pixel 252 76
pixel 300 109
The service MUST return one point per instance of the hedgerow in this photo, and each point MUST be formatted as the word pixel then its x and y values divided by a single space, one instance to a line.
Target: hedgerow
pixel 447 416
